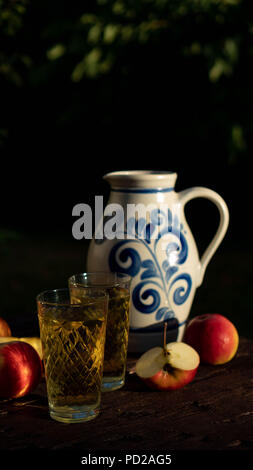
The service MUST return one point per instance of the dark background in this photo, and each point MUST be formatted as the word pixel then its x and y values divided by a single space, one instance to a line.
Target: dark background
pixel 108 85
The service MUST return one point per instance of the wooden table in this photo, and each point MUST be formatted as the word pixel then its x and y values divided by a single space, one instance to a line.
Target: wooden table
pixel 214 412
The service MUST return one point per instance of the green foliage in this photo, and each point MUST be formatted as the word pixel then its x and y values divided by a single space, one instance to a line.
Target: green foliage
pixel 88 42
pixel 11 22
pixel 11 16
pixel 11 61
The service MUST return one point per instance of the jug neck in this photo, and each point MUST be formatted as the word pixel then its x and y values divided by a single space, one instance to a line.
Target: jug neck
pixel 141 181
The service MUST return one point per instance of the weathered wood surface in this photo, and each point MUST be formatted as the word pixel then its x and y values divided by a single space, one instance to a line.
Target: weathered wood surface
pixel 214 412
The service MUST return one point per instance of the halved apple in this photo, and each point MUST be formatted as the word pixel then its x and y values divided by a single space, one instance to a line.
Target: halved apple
pixel 168 368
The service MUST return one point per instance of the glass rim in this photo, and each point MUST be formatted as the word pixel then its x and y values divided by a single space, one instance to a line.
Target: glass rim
pixel 116 278
pixel 39 298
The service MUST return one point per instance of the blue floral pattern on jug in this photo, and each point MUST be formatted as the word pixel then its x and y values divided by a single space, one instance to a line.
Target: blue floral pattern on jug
pixel 162 278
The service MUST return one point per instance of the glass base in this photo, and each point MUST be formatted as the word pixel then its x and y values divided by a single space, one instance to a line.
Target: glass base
pixel 66 414
pixel 112 383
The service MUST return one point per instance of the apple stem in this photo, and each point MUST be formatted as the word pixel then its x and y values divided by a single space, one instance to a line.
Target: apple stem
pixel 164 339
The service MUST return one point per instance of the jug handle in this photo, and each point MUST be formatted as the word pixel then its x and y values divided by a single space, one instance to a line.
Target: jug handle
pixel 196 192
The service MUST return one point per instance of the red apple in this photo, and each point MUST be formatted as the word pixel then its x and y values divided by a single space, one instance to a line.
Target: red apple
pixel 214 337
pixel 170 368
pixel 20 369
pixel 4 328
pixel 34 341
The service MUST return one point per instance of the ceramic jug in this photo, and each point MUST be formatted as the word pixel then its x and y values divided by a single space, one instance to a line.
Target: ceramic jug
pixel 155 246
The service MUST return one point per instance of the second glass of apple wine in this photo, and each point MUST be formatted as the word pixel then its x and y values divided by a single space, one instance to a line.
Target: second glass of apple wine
pixel 117 285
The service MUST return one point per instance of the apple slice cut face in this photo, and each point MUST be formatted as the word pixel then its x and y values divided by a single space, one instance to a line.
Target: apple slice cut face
pixel 150 363
pixel 182 356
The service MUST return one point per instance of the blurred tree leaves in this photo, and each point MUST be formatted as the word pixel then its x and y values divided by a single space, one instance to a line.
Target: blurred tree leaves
pixel 11 16
pixel 11 22
pixel 11 61
pixel 108 48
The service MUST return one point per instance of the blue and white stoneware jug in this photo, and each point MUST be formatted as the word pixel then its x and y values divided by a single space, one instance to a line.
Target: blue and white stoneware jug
pixel 147 236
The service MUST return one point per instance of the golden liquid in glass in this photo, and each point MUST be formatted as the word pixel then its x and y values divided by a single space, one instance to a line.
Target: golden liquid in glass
pixel 73 352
